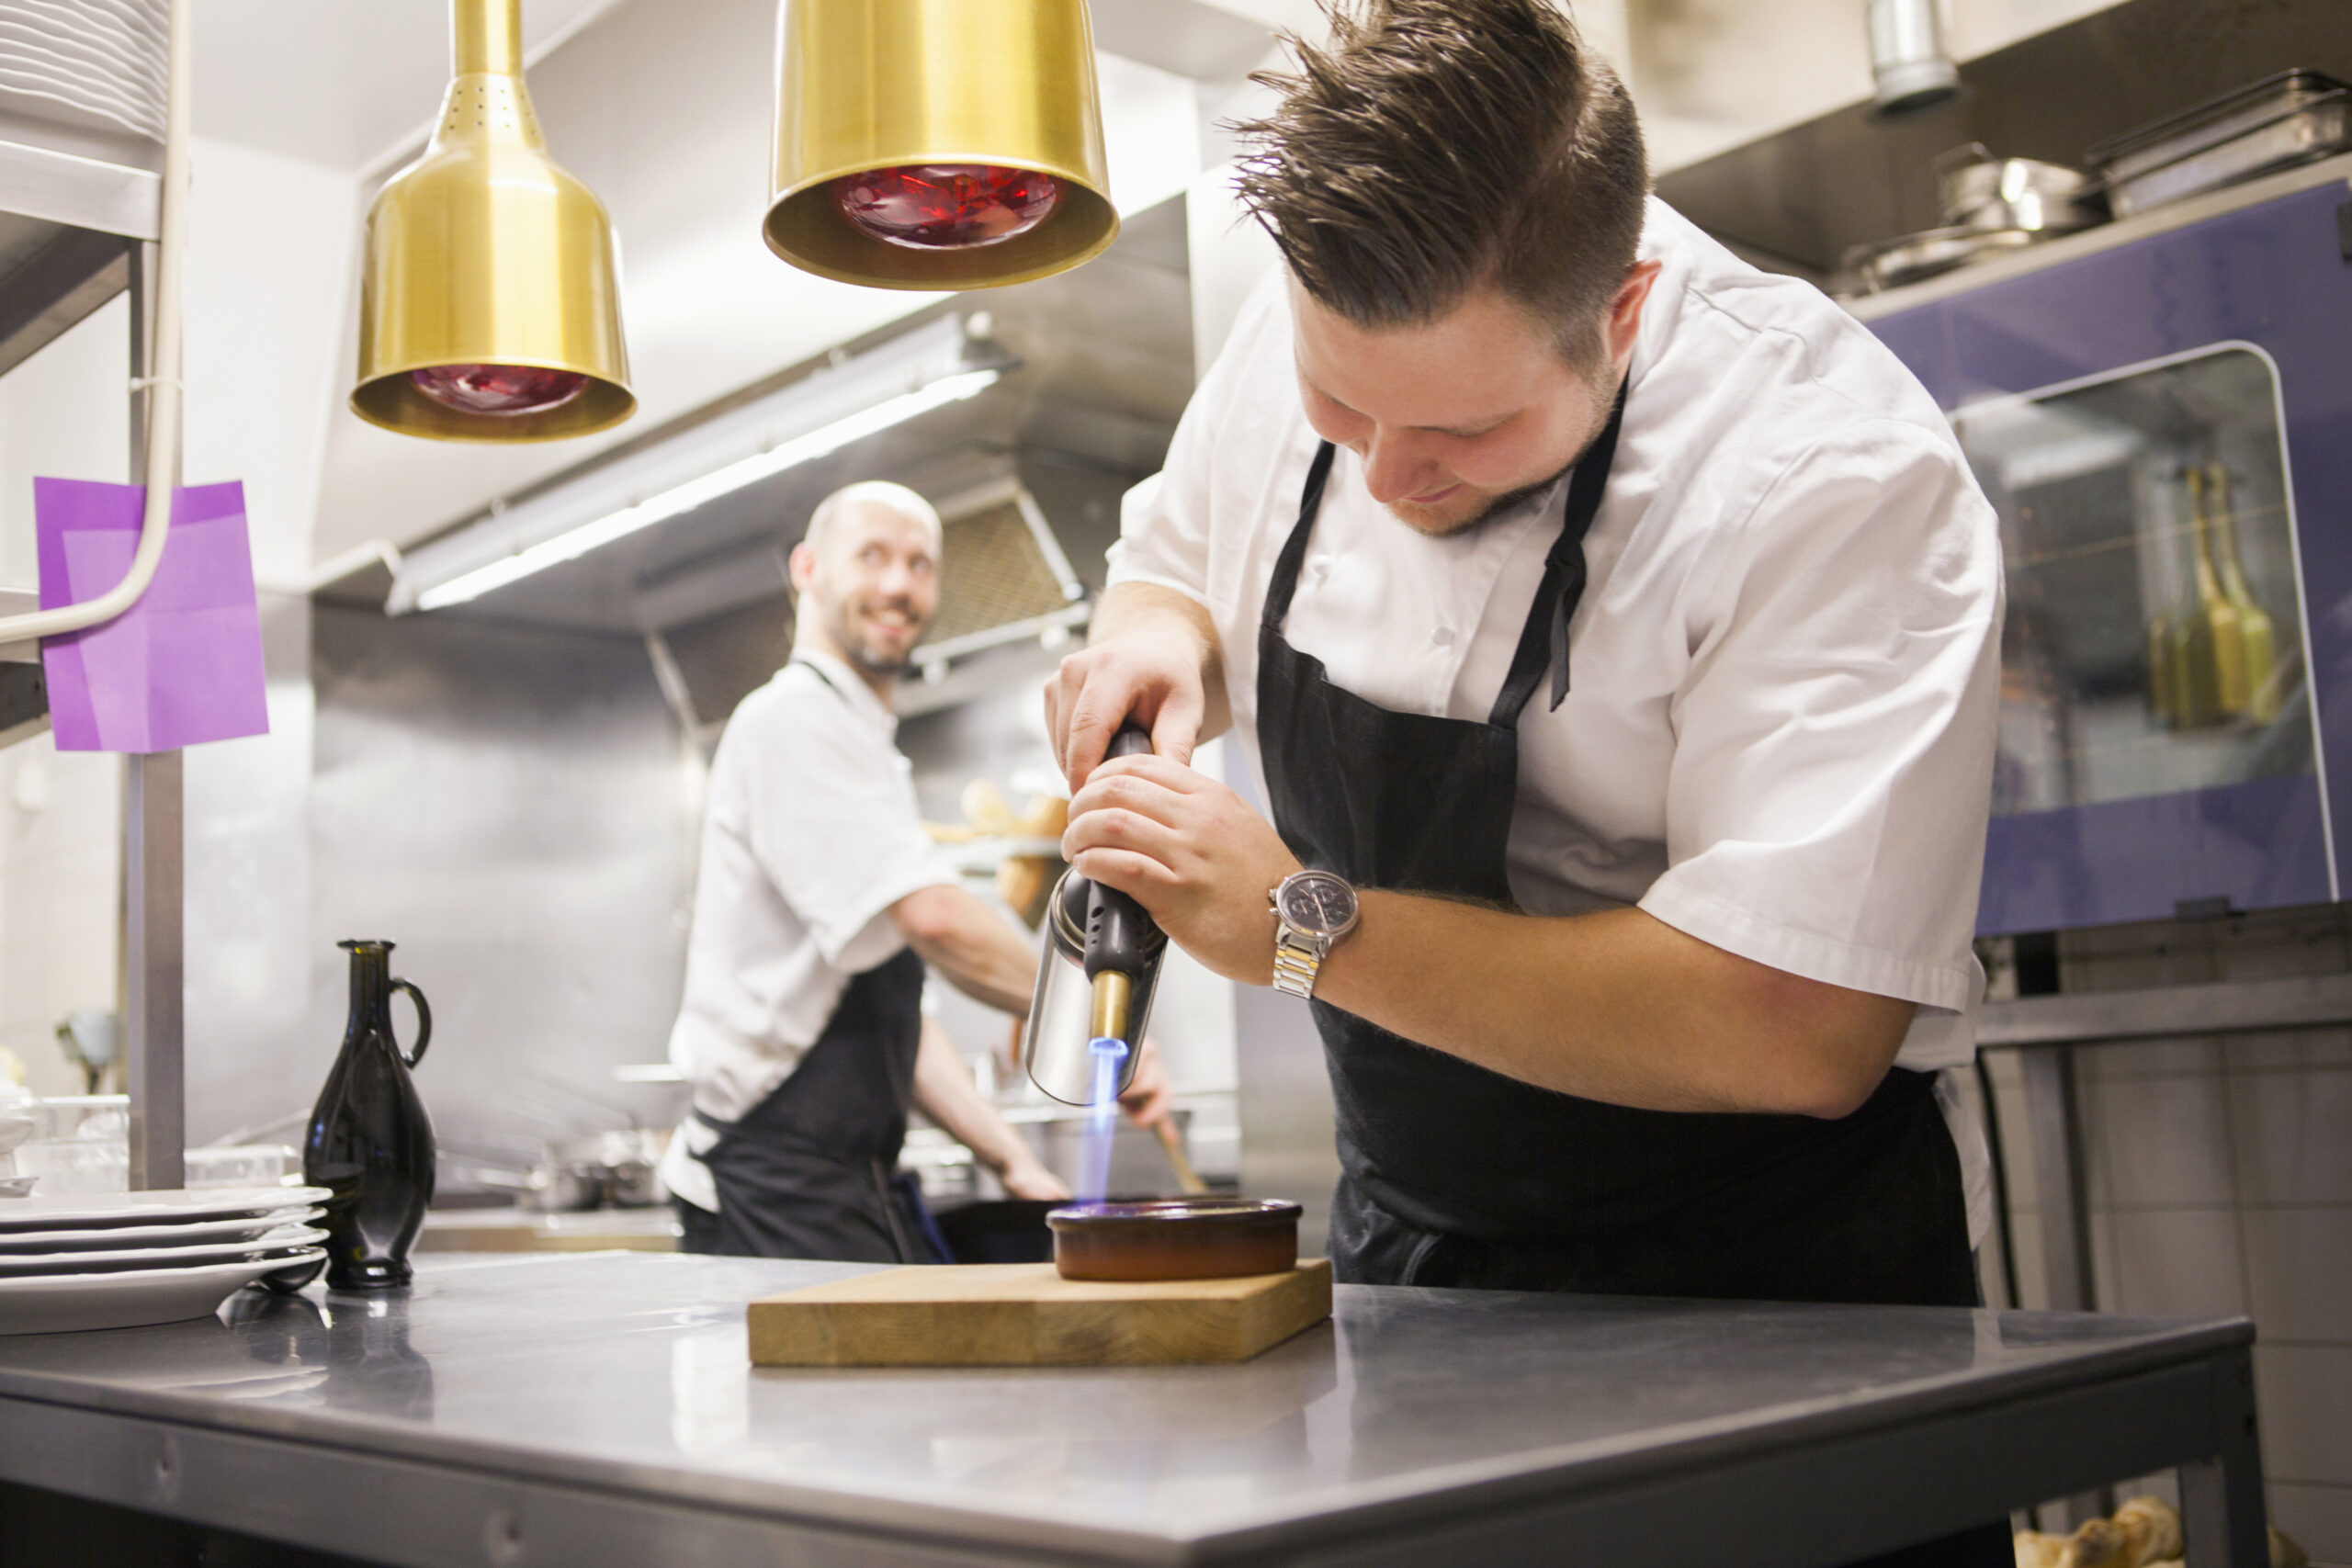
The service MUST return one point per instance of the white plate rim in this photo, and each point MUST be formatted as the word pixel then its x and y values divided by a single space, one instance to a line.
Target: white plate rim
pixel 34 1294
pixel 15 1243
pixel 21 1265
pixel 269 1266
pixel 93 1210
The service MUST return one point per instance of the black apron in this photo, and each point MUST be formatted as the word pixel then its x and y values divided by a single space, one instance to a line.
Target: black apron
pixel 1454 1175
pixel 1451 1175
pixel 811 1171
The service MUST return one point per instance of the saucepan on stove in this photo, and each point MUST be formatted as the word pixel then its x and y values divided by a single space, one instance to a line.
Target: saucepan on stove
pixel 617 1168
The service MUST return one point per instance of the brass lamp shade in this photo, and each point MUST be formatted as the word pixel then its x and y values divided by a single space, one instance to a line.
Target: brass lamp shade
pixel 484 254
pixel 880 84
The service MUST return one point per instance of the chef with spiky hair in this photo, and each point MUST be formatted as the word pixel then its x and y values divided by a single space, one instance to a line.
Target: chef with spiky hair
pixel 1614 628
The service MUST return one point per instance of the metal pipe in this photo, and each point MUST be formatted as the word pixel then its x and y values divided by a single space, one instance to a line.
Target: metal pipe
pixel 155 1054
pixel 155 1045
pixel 1909 60
pixel 486 37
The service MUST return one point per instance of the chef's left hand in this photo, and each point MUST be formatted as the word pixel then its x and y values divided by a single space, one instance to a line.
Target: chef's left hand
pixel 1191 851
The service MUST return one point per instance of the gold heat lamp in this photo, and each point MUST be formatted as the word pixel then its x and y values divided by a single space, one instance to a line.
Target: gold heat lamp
pixel 490 309
pixel 940 144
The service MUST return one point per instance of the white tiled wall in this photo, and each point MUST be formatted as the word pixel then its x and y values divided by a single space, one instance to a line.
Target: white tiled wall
pixel 2219 1178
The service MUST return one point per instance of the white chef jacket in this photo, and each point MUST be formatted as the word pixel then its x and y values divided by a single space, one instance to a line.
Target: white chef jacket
pixel 1779 730
pixel 811 833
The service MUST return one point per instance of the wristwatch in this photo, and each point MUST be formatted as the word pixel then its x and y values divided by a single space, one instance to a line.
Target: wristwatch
pixel 1313 909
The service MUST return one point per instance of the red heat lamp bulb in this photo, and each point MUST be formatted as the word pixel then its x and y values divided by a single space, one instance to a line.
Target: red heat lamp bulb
pixel 939 207
pixel 499 389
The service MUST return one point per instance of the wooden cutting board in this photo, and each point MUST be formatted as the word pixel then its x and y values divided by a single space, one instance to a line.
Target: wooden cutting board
pixel 1024 1314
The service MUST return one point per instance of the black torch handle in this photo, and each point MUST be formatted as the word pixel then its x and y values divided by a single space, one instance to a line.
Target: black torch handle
pixel 1119 935
pixel 1133 740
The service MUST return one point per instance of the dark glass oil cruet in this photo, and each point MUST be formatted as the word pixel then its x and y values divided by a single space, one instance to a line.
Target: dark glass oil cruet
pixel 371 1141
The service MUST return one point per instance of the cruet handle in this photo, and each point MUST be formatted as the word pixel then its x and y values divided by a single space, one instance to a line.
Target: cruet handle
pixel 424 1022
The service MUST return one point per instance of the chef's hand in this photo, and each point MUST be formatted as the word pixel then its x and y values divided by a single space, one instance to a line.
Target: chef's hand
pixel 1027 1178
pixel 1191 851
pixel 1150 1093
pixel 1151 660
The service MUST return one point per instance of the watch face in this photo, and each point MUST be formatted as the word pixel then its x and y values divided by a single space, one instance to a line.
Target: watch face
pixel 1318 903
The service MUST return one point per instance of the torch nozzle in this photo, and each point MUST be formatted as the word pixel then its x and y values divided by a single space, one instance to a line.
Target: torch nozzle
pixel 1114 997
pixel 1114 1001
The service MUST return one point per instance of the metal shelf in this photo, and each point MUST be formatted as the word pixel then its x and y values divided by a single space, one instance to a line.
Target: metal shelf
pixel 72 231
pixel 68 227
pixel 76 231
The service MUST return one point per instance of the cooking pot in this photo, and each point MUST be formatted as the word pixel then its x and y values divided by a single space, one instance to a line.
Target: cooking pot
pixel 618 1166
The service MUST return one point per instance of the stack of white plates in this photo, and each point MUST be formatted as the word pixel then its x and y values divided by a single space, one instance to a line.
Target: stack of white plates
pixel 118 1260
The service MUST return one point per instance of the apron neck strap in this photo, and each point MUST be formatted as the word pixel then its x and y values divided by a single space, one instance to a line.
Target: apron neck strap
pixel 1544 641
pixel 811 666
pixel 1284 581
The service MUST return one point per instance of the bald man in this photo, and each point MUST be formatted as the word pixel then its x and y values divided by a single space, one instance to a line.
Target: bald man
pixel 821 902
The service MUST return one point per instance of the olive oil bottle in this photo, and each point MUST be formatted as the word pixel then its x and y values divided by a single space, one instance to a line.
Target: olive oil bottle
pixel 2256 696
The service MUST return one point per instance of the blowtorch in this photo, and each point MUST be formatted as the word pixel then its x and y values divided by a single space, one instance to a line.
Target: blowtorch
pixel 1095 981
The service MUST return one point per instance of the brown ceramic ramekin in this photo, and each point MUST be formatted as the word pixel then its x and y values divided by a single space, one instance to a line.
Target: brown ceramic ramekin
pixel 1175 1238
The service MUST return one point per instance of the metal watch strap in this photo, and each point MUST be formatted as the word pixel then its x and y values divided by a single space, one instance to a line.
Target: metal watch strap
pixel 1296 960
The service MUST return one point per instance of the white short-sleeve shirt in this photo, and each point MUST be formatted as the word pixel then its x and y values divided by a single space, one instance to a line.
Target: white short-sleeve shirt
pixel 811 833
pixel 1779 735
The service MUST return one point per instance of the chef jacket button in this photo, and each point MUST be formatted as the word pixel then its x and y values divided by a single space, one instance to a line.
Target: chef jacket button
pixel 1443 637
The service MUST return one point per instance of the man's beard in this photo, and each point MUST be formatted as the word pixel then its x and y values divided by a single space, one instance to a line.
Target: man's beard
pixel 1487 513
pixel 863 657
pixel 1510 499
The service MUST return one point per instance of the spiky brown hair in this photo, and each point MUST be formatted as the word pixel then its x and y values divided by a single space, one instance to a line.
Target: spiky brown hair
pixel 1436 147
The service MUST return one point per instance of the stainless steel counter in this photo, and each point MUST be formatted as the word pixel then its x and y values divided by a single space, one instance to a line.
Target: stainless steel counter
pixel 592 1409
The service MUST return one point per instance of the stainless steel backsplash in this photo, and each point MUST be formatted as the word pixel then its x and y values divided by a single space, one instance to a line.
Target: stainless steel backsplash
pixel 512 807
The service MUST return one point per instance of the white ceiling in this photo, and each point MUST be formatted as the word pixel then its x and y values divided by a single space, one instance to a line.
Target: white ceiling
pixel 338 82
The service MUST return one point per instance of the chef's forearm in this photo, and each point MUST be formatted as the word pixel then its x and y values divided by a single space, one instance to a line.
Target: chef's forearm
pixel 961 937
pixel 944 1090
pixel 1617 1007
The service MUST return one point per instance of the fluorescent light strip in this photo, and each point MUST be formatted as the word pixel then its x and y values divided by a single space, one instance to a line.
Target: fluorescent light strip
pixel 576 542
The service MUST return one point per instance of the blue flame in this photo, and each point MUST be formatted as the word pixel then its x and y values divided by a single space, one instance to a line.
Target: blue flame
pixel 1101 1124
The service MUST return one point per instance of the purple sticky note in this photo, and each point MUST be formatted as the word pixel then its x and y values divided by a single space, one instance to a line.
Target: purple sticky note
pixel 184 664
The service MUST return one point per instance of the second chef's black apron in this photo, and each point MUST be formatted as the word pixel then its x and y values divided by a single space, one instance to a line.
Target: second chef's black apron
pixel 811 1171
pixel 1451 1175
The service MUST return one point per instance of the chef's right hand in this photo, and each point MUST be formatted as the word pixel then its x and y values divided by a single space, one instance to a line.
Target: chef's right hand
pixel 1146 663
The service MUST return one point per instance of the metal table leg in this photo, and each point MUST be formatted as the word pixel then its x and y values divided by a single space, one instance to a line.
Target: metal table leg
pixel 2221 1509
pixel 2055 1132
